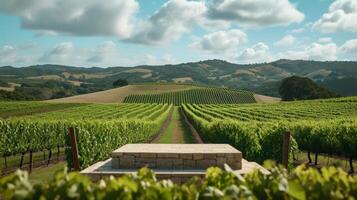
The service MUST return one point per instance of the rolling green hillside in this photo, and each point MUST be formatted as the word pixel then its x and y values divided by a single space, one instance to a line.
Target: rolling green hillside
pixel 263 78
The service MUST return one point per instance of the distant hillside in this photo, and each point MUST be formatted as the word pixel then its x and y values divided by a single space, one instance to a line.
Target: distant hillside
pixel 263 78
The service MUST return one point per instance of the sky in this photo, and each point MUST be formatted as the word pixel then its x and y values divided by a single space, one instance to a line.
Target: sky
pixel 154 32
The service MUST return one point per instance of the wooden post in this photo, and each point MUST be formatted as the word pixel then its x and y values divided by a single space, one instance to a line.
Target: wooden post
pixel 31 162
pixel 286 148
pixel 74 149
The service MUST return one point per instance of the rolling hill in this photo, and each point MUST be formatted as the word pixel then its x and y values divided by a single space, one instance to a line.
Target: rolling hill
pixel 168 93
pixel 263 78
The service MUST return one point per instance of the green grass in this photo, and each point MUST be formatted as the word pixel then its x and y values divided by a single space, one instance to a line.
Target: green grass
pixel 324 160
pixel 13 161
pixel 45 174
pixel 177 130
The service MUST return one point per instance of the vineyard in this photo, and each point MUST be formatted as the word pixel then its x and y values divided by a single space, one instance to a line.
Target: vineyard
pixel 328 126
pixel 202 95
pixel 100 128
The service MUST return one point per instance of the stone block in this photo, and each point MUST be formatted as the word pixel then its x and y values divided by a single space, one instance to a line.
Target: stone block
pixel 210 156
pixel 148 155
pixel 115 163
pixel 177 161
pixel 189 164
pixel 164 163
pixel 186 156
pixel 145 160
pixel 126 161
pixel 203 164
pixel 221 161
pixel 197 156
pixel 168 155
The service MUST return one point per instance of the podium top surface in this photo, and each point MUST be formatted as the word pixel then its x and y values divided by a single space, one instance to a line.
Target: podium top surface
pixel 177 149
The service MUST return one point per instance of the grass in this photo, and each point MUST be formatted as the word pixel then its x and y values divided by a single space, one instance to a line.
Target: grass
pixel 177 130
pixel 14 161
pixel 326 161
pixel 45 174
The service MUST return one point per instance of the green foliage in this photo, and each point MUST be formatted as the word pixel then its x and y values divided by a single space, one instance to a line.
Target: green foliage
pixel 120 83
pixel 4 84
pixel 19 108
pixel 257 129
pixel 100 129
pixel 301 184
pixel 299 88
pixel 204 95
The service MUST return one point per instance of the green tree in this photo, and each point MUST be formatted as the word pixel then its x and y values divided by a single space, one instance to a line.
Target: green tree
pixel 301 88
pixel 120 83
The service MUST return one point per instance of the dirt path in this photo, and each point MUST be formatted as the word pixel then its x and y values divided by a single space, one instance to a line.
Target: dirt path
pixel 177 130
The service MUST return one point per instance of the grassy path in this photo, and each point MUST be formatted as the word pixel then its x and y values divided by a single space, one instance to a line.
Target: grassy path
pixel 177 130
pixel 45 174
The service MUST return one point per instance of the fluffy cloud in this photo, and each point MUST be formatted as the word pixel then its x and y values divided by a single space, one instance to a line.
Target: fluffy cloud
pixel 103 52
pixel 154 60
pixel 315 51
pixel 173 19
pixel 9 56
pixel 221 41
pixel 325 40
pixel 286 41
pixel 88 18
pixel 255 54
pixel 61 54
pixel 341 16
pixel 298 30
pixel 256 13
pixel 349 46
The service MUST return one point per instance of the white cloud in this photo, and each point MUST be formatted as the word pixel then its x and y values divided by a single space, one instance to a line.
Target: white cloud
pixel 349 46
pixel 62 53
pixel 298 30
pixel 9 56
pixel 154 60
pixel 341 16
pixel 221 41
pixel 103 52
pixel 255 54
pixel 256 13
pixel 286 41
pixel 173 19
pixel 325 40
pixel 316 51
pixel 75 17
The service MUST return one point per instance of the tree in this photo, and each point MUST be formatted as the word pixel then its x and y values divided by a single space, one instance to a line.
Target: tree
pixel 300 88
pixel 120 83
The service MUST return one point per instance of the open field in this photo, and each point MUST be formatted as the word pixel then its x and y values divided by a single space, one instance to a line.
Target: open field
pixel 11 87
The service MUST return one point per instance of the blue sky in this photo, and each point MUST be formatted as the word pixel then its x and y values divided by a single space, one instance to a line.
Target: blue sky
pixel 136 32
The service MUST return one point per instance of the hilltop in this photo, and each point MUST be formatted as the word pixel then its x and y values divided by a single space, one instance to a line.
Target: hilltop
pixel 264 78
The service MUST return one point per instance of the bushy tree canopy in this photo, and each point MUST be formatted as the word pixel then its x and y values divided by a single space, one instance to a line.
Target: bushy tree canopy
pixel 301 88
pixel 120 83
